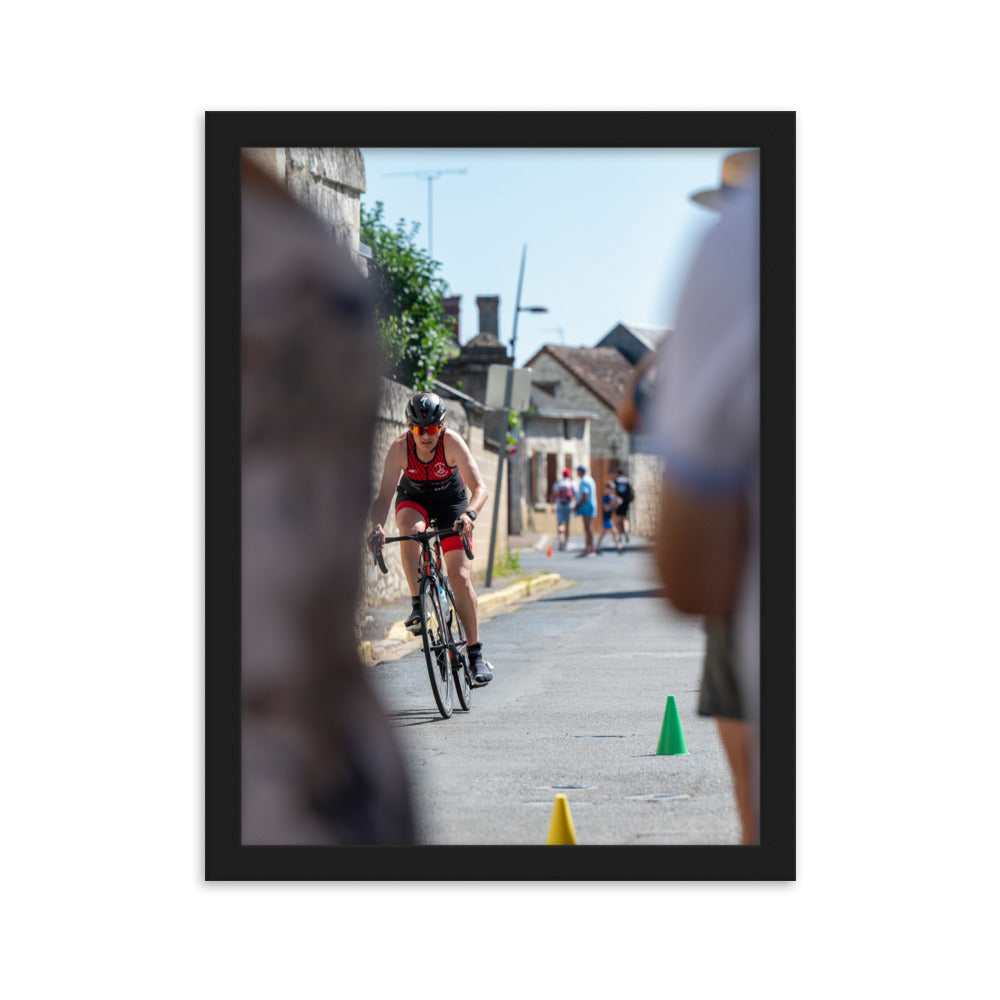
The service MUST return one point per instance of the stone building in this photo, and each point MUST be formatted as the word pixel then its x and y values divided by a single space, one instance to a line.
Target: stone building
pixel 586 383
pixel 468 370
pixel 555 436
pixel 588 380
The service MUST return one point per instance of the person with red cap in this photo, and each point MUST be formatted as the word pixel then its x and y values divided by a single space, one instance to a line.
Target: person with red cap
pixel 562 496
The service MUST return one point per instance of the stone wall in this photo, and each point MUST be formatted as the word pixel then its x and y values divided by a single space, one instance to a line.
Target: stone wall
pixel 645 472
pixel 390 423
pixel 329 181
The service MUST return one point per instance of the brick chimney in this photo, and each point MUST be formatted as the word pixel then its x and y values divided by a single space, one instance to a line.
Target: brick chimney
pixel 451 306
pixel 489 308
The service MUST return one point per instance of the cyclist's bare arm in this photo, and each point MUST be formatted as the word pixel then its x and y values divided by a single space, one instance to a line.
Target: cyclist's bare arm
pixel 458 452
pixel 395 463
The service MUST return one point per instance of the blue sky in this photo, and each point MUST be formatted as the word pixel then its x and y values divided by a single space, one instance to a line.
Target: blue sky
pixel 609 232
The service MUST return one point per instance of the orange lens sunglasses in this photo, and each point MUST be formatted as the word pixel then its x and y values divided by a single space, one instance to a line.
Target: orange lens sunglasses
pixel 430 429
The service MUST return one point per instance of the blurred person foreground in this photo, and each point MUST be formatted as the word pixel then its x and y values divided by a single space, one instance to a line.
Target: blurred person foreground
pixel 698 398
pixel 320 763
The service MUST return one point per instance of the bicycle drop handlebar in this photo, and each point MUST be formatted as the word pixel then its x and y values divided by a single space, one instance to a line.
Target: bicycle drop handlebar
pixel 423 537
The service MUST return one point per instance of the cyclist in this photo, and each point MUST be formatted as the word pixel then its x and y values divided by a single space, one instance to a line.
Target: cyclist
pixel 427 486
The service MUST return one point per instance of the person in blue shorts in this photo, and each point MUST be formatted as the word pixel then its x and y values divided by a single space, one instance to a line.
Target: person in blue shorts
pixel 609 505
pixel 586 507
pixel 562 497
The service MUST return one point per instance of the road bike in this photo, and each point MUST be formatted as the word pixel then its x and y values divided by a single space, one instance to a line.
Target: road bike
pixel 443 635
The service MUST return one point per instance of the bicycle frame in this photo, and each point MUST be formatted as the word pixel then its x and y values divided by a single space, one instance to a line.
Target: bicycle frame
pixel 425 539
pixel 443 645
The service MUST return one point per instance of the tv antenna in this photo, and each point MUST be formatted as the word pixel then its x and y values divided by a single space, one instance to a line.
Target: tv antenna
pixel 556 329
pixel 430 176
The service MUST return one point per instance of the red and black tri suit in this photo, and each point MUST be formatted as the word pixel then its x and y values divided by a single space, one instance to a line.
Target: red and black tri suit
pixel 434 488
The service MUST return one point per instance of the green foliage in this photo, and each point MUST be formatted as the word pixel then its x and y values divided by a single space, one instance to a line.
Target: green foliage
pixel 417 336
pixel 508 564
pixel 513 422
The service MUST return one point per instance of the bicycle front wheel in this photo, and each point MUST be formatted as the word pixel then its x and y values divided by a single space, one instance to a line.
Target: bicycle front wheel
pixel 459 657
pixel 436 644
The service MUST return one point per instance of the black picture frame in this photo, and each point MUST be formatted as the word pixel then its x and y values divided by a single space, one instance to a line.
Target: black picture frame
pixel 226 133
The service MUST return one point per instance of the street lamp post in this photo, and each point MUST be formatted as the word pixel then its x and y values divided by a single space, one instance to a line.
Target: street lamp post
pixel 508 384
pixel 518 309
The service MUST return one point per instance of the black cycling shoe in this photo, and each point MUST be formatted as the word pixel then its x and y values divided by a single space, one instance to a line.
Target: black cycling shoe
pixel 414 624
pixel 481 671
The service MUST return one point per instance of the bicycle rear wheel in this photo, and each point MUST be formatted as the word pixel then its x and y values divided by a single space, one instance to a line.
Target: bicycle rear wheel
pixel 436 645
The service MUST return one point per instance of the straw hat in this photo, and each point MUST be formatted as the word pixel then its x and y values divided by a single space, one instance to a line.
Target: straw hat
pixel 738 169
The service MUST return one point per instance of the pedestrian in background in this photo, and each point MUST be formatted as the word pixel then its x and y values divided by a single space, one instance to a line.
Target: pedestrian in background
pixel 561 497
pixel 623 488
pixel 586 507
pixel 609 504
pixel 704 422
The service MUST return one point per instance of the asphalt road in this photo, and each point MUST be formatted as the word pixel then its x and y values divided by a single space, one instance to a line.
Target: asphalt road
pixel 582 676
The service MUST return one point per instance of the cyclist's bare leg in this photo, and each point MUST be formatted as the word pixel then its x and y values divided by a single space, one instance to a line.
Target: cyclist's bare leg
pixel 408 521
pixel 466 602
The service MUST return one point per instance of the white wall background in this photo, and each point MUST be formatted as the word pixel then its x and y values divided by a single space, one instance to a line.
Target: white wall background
pixel 101 407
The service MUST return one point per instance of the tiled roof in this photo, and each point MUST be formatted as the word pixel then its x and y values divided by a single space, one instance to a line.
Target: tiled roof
pixel 602 370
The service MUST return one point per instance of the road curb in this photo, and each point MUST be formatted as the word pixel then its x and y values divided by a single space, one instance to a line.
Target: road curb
pixel 516 591
pixel 369 655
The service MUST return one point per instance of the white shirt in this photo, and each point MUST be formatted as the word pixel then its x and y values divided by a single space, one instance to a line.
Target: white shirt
pixel 705 415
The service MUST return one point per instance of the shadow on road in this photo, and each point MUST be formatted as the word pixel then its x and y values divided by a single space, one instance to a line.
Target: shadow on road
pixel 611 595
pixel 416 716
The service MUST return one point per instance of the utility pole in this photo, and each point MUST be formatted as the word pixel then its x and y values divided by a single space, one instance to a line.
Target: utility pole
pixel 430 176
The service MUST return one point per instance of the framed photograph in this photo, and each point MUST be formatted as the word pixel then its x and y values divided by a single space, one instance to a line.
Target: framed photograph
pixel 612 670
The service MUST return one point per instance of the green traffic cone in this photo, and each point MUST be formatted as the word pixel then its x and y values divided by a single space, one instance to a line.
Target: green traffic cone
pixel 671 734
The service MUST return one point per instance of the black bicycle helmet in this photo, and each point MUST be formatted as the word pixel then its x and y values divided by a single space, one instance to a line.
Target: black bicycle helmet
pixel 425 408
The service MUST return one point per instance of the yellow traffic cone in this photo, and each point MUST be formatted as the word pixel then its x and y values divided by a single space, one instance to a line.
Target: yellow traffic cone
pixel 561 828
